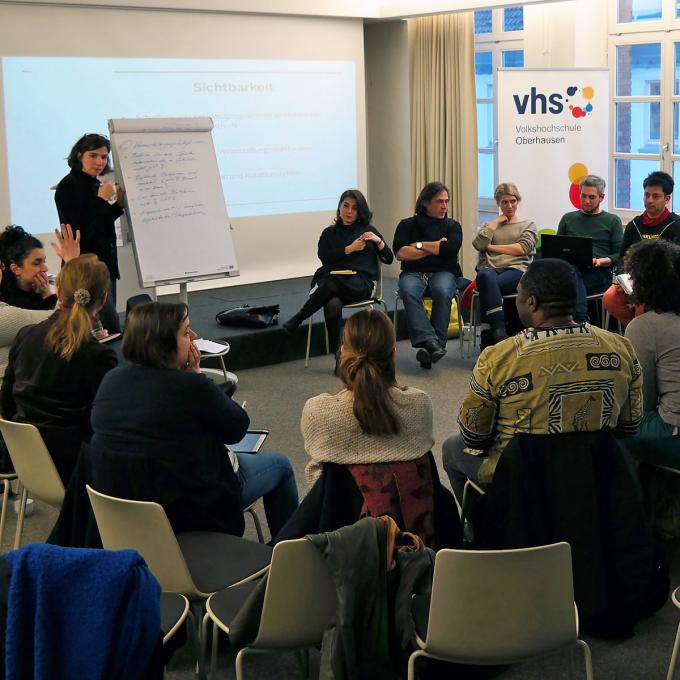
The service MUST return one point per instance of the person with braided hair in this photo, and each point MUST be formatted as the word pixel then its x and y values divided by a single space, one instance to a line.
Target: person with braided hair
pixel 371 419
pixel 55 367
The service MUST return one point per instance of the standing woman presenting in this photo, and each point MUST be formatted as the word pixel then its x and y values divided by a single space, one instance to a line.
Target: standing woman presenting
pixel 92 207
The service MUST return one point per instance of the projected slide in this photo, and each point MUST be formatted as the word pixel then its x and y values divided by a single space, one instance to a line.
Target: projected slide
pixel 285 131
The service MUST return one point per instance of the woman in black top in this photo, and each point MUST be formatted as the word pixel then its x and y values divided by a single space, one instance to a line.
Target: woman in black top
pixel 84 203
pixel 25 282
pixel 351 244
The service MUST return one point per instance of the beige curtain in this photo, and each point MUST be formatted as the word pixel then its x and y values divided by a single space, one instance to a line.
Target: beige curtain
pixel 444 114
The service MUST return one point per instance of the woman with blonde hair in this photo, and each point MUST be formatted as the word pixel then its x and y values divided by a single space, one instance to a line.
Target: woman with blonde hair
pixel 371 419
pixel 55 367
pixel 506 248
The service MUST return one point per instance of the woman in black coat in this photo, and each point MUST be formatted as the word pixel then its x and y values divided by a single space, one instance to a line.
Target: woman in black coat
pixel 92 207
pixel 349 251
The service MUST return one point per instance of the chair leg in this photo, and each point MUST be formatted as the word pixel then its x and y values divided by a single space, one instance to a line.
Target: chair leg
pixel 239 663
pixel 213 650
pixel 256 521
pixel 587 658
pixel 199 640
pixel 461 329
pixel 309 340
pixel 20 518
pixel 412 663
pixel 5 503
pixel 674 655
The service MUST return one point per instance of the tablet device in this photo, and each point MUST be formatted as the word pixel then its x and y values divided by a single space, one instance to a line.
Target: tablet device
pixel 251 443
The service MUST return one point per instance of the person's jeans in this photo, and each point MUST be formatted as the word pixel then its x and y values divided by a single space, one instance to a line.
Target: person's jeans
pixel 459 466
pixel 269 476
pixel 589 282
pixel 492 285
pixel 442 287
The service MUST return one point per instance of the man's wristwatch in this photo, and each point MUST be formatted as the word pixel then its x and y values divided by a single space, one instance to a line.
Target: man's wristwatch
pixel 419 245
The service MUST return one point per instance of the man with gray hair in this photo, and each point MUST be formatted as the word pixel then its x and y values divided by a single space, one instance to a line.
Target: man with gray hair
pixel 606 231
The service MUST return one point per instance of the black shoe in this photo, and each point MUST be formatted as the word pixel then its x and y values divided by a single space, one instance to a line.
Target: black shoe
pixel 436 352
pixel 430 352
pixel 435 349
pixel 292 324
pixel 424 358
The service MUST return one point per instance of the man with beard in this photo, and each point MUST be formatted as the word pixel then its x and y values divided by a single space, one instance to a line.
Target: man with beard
pixel 606 232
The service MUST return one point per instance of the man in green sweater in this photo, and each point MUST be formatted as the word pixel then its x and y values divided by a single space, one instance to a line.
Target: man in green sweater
pixel 606 231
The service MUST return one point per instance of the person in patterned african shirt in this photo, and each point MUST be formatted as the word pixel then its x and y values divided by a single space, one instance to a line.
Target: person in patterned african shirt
pixel 555 376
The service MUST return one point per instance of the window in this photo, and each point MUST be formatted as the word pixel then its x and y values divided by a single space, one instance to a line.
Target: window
pixel 639 10
pixel 498 43
pixel 644 56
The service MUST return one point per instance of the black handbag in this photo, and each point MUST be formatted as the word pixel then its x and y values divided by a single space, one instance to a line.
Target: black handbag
pixel 249 317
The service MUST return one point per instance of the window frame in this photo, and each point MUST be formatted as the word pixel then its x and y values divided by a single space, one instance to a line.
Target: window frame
pixel 645 33
pixel 496 42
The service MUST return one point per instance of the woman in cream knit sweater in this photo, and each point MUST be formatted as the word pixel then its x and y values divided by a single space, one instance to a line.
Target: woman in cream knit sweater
pixel 372 419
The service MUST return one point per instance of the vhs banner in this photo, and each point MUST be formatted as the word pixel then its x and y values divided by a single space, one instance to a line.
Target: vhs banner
pixel 553 129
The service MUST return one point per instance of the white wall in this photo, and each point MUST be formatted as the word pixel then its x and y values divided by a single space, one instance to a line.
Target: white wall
pixel 566 34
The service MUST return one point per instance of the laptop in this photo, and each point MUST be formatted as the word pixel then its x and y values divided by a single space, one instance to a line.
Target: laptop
pixel 577 250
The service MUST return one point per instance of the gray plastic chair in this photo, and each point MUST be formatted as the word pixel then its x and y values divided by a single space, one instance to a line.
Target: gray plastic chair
pixel 194 563
pixel 299 601
pixel 501 607
pixel 34 467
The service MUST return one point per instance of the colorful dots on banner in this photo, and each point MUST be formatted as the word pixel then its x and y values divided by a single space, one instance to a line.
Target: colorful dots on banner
pixel 576 173
pixel 581 111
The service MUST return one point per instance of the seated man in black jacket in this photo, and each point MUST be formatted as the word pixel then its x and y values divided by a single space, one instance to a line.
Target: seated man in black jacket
pixel 427 246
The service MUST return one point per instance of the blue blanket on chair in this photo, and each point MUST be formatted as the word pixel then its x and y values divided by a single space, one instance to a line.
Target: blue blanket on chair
pixel 80 613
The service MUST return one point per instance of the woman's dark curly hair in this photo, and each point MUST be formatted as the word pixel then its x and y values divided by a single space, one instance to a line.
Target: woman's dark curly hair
pixel 654 267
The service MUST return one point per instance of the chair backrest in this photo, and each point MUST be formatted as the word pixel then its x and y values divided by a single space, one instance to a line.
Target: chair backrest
pixel 501 606
pixel 32 462
pixel 300 597
pixel 135 300
pixel 144 527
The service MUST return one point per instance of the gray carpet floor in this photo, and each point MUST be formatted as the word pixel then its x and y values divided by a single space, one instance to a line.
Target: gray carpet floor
pixel 275 396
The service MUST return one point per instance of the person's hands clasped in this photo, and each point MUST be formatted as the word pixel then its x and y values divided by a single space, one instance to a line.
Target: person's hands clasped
pixel 370 236
pixel 193 362
pixel 67 246
pixel 356 245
